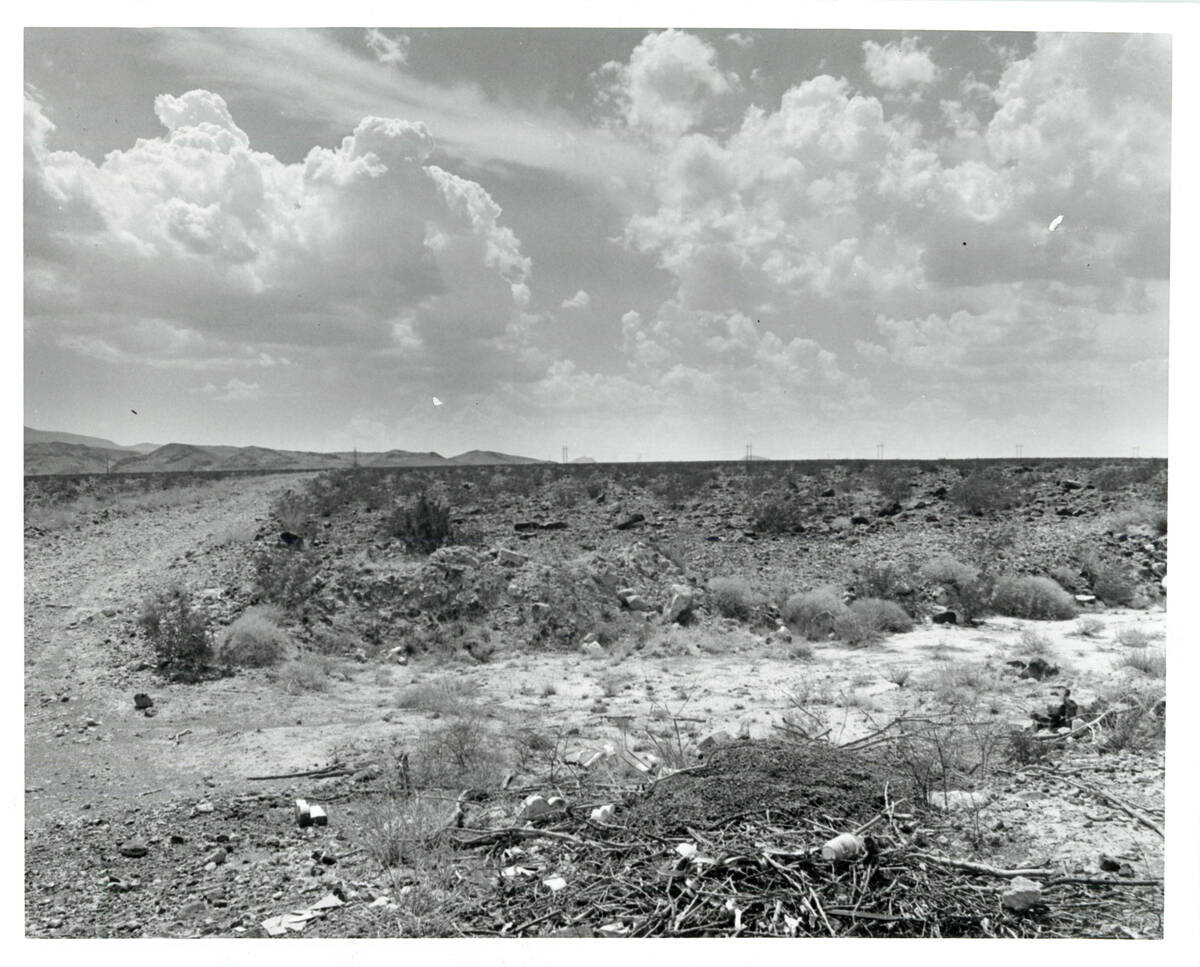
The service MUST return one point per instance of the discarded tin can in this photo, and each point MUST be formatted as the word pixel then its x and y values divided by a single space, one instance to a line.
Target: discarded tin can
pixel 303 817
pixel 844 847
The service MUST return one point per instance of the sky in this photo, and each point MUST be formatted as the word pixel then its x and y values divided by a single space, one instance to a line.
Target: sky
pixel 638 244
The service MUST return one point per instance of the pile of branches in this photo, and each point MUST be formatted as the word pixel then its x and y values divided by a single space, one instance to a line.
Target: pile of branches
pixel 752 878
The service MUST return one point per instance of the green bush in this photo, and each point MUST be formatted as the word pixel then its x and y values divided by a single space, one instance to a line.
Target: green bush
pixel 177 631
pixel 814 613
pixel 254 640
pixel 1030 596
pixel 1114 584
pixel 423 526
pixel 731 597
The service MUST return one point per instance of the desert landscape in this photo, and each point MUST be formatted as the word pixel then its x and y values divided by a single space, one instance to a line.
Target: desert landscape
pixel 603 700
pixel 606 482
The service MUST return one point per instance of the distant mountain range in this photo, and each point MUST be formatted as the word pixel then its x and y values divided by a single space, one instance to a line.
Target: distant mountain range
pixel 50 452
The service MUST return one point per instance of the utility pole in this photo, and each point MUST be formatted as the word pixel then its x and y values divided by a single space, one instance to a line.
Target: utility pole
pixel 749 452
pixel 1136 450
pixel 1020 447
pixel 356 458
pixel 564 453
pixel 878 451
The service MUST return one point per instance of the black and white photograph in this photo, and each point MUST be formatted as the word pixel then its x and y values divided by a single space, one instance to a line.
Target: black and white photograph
pixel 603 481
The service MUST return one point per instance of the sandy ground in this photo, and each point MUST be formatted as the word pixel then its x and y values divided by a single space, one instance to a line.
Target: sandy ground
pixel 686 684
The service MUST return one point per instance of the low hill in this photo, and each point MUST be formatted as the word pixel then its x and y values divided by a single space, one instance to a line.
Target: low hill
pixel 477 458
pixel 53 457
pixel 54 436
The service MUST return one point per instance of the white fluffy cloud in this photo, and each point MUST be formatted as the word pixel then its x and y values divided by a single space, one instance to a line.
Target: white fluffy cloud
pixel 388 50
pixel 580 300
pixel 671 83
pixel 361 247
pixel 900 65
pixel 833 241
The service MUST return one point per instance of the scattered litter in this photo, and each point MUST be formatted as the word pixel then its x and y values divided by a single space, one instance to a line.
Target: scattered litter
pixel 844 847
pixel 603 814
pixel 554 883
pixel 297 920
pixel 317 816
pixel 534 806
pixel 1021 895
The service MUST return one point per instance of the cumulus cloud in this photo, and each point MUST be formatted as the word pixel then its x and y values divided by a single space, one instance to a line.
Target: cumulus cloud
pixel 744 41
pixel 671 83
pixel 363 246
pixel 900 65
pixel 388 50
pixel 580 300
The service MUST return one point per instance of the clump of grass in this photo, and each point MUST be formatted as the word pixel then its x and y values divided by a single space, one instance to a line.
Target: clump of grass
pixel 255 639
pixel 396 831
pixel 1031 596
pixel 815 613
pixel 1139 518
pixel 898 676
pixel 1133 638
pixel 1114 584
pixel 1148 661
pixel 178 632
pixel 732 597
pixel 308 673
pixel 1035 645
pixel 1089 627
pixel 446 696
pixel 883 616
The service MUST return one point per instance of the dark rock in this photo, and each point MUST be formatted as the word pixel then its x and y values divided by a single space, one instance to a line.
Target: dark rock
pixel 150 713
pixel 945 618
pixel 1108 864
pixel 631 521
pixel 526 525
pixel 1039 669
pixel 142 700
pixel 829 493
pixel 555 525
pixel 134 849
pixel 1070 485
pixel 288 539
pixel 860 519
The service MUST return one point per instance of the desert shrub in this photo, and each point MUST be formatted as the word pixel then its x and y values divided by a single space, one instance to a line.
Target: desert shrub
pixel 949 571
pixel 291 511
pixel 1112 583
pixel 983 491
pixel 886 581
pixel 1068 578
pixel 284 575
pixel 565 492
pixel 814 613
pixel 1023 749
pixel 1089 627
pixel 177 631
pixel 1136 718
pixel 308 673
pixel 1133 638
pixel 883 616
pixel 778 514
pixel 254 640
pixel 1148 661
pixel 893 483
pixel 1140 518
pixel 1031 596
pixel 854 629
pixel 423 526
pixel 1034 645
pixel 401 831
pixel 1118 478
pixel 732 597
